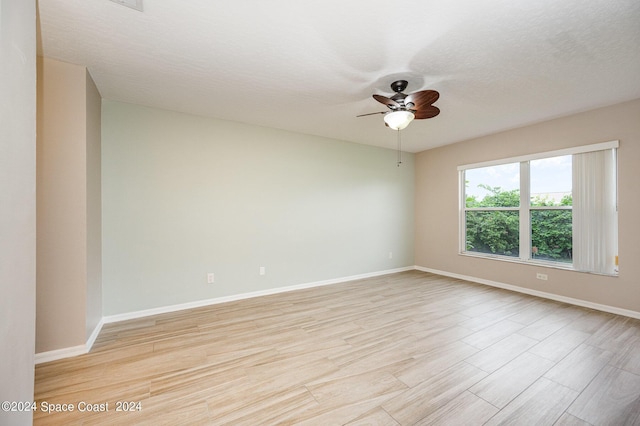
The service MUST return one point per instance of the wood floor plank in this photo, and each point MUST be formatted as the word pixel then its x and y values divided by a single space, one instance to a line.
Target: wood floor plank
pixel 344 414
pixel 275 408
pixel 437 334
pixel 616 334
pixel 400 349
pixel 506 383
pixel 541 404
pixel 591 322
pixel 376 417
pixel 284 372
pixel 426 397
pixel 546 326
pixel 534 311
pixel 350 389
pixel 569 420
pixel 434 362
pixel 500 353
pixel 559 344
pixel 628 359
pixel 486 337
pixel 465 409
pixel 611 398
pixel 579 367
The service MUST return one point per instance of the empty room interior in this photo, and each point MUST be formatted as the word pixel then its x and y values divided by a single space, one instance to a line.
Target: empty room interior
pixel 320 213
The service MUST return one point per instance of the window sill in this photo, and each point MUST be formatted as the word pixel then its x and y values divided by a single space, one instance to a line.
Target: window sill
pixel 540 263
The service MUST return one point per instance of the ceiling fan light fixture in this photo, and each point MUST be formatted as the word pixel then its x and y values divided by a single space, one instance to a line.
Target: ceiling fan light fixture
pixel 398 120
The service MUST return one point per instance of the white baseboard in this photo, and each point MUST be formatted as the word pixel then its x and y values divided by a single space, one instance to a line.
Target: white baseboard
pixel 207 302
pixel 72 351
pixel 545 295
pixel 60 354
pixel 94 335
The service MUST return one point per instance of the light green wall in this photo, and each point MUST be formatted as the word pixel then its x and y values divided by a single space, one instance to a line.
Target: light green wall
pixel 185 195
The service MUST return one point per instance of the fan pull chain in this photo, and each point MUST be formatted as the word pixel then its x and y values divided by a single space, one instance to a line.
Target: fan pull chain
pixel 399 149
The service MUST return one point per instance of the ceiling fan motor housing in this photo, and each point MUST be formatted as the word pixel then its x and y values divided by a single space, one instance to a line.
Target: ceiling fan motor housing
pixel 399 86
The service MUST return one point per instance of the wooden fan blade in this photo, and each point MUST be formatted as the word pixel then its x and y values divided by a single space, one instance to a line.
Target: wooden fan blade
pixel 372 113
pixel 422 99
pixel 428 112
pixel 386 101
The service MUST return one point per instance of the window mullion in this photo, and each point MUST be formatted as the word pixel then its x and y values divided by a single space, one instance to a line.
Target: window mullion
pixel 525 212
pixel 462 228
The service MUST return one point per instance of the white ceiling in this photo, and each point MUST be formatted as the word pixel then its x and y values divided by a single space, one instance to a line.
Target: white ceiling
pixel 312 66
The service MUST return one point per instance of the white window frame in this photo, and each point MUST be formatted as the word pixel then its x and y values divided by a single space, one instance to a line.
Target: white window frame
pixel 525 202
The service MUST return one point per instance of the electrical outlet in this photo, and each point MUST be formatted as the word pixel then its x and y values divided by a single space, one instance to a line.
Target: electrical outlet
pixel 543 277
pixel 210 278
pixel 263 270
pixel 390 255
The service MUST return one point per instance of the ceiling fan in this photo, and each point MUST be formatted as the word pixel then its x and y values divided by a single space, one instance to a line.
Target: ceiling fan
pixel 404 108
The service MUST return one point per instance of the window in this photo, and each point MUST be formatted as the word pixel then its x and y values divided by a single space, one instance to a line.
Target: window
pixel 551 209
pixel 492 201
pixel 557 208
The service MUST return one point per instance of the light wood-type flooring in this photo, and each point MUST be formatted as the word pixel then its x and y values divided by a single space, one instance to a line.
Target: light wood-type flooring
pixel 410 348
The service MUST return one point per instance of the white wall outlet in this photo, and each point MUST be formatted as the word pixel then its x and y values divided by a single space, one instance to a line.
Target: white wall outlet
pixel 263 270
pixel 543 277
pixel 210 278
pixel 390 255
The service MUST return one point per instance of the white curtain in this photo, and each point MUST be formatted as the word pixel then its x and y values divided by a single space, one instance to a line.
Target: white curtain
pixel 595 224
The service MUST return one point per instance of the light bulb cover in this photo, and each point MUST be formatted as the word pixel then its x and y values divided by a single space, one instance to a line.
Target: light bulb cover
pixel 398 120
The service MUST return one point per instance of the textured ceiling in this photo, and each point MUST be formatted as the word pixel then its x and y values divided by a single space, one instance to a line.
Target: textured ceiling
pixel 312 66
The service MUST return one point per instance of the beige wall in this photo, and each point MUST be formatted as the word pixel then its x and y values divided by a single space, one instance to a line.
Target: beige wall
pixel 17 204
pixel 436 244
pixel 68 228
